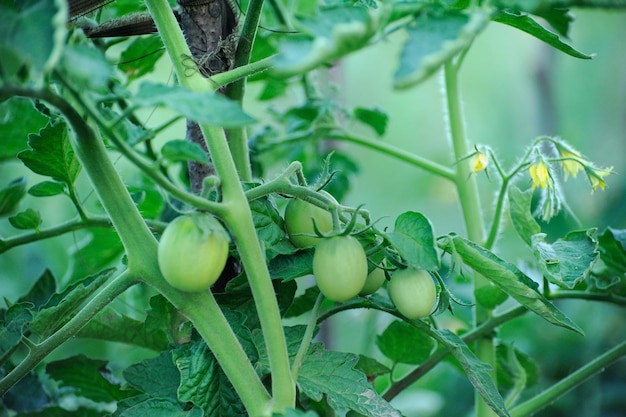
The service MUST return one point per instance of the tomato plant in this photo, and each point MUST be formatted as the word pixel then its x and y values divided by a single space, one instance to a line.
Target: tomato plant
pixel 413 292
pixel 340 267
pixel 193 251
pixel 277 102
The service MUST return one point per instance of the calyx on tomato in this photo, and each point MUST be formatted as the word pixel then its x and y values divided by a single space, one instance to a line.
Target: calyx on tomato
pixel 193 251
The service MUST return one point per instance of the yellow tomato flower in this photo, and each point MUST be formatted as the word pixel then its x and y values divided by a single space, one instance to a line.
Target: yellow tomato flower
pixel 478 162
pixel 539 174
pixel 573 165
pixel 596 176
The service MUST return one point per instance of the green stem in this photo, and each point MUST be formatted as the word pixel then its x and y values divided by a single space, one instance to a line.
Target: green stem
pixel 39 351
pixel 67 227
pixel 590 296
pixel 469 197
pixel 400 154
pixel 497 217
pixel 238 138
pixel 551 394
pixel 306 339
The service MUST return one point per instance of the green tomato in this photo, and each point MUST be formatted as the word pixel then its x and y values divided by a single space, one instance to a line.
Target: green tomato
pixel 299 217
pixel 373 282
pixel 413 292
pixel 340 267
pixel 193 251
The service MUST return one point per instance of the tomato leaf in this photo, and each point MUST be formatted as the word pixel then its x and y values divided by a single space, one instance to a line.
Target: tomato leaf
pixel 371 367
pixel 11 195
pixel 434 38
pixel 293 266
pixel 51 153
pixel 19 118
pixel 403 343
pixel 413 238
pixel 515 368
pixel 97 250
pixel 521 215
pixel 157 377
pixel 490 296
pixel 527 24
pixel 141 56
pixel 183 150
pixel 14 323
pixel 60 307
pixel 144 405
pixel 89 378
pixel 374 118
pixel 47 189
pixel 27 219
pixel 612 248
pixel 479 373
pixel 567 261
pixel 303 303
pixel 333 374
pixel 109 325
pixel 203 383
pixel 510 279
pixel 207 107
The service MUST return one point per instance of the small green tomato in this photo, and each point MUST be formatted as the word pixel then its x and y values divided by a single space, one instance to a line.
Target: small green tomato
pixel 374 281
pixel 413 292
pixel 299 217
pixel 193 251
pixel 340 267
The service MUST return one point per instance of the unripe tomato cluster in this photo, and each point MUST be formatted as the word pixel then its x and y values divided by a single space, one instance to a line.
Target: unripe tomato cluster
pixel 340 264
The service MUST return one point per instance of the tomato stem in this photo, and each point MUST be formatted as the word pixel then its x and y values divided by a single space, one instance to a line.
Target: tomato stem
pixel 306 339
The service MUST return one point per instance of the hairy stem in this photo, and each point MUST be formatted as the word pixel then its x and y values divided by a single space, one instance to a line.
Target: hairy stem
pixel 469 198
pixel 40 350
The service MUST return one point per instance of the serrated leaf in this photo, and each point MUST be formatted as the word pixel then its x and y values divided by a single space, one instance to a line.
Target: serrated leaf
pixel 15 321
pixel 27 219
pixel 479 373
pixel 371 367
pixel 374 118
pixel 269 226
pixel 414 240
pixel 51 153
pixel 567 261
pixel 204 384
pixel 18 118
pixel 183 150
pixel 209 108
pixel 41 291
pixel 332 374
pixel 612 248
pixel 89 378
pixel 32 36
pixel 11 194
pixel 304 302
pixel 527 24
pixel 435 38
pixel 157 377
pixel 333 33
pixel 109 325
pixel 165 319
pixel 47 189
pixel 26 396
pixel 510 279
pixel 293 338
pixel 403 343
pixel 62 412
pixel 521 214
pixel 296 413
pixel 60 307
pixel 141 56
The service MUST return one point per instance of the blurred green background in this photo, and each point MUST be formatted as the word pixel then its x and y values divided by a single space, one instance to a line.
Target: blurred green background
pixel 514 89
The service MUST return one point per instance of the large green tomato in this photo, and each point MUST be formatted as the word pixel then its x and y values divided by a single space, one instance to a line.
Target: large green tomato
pixel 193 251
pixel 413 292
pixel 299 217
pixel 340 267
pixel 374 281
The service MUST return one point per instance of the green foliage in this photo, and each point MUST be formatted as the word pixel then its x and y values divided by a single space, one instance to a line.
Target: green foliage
pixel 77 121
